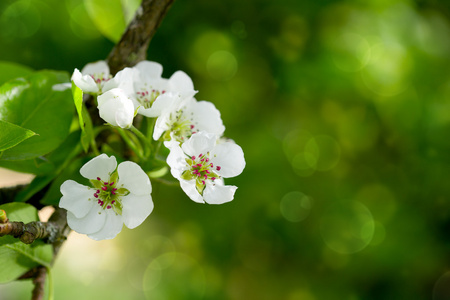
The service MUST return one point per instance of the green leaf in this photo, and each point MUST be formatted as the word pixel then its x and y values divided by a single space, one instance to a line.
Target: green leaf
pixel 31 103
pixel 11 135
pixel 16 257
pixel 59 159
pixel 111 16
pixel 49 163
pixel 9 70
pixel 83 117
pixel 72 172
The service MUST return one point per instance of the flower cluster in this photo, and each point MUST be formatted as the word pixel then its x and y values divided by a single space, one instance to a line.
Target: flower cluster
pixel 199 157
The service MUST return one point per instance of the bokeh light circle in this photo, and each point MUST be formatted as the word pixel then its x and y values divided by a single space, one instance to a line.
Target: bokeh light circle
pixel 174 276
pixel 347 228
pixel 222 65
pixel 323 152
pixel 295 206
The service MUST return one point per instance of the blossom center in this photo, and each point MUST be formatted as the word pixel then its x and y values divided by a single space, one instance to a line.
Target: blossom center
pixel 147 96
pixel 181 125
pixel 202 170
pixel 108 194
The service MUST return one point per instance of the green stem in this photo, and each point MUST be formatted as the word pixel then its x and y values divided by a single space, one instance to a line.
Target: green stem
pixel 143 138
pixel 137 149
pixel 50 284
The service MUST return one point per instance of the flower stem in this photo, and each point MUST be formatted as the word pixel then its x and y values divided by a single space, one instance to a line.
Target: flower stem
pixel 137 148
pixel 143 138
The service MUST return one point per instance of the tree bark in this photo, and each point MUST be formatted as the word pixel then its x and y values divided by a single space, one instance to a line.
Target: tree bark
pixel 132 47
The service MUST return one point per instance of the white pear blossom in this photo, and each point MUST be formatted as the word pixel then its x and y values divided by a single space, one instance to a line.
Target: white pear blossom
pixel 117 196
pixel 94 78
pixel 200 164
pixel 116 108
pixel 149 87
pixel 182 119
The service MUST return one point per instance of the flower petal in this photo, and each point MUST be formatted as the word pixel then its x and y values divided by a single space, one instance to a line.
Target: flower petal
pixel 189 188
pixel 76 198
pixel 113 225
pixel 165 103
pixel 176 158
pixel 200 142
pixel 218 194
pixel 136 209
pixel 123 80
pixel 180 82
pixel 229 157
pixel 90 223
pixel 206 117
pixel 85 82
pixel 100 166
pixel 97 67
pixel 116 108
pixel 149 68
pixel 133 178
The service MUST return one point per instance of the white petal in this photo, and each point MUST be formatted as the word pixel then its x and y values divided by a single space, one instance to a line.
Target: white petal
pixel 76 198
pixel 85 82
pixel 113 225
pixel 165 103
pixel 149 68
pixel 199 143
pixel 97 67
pixel 229 157
pixel 123 80
pixel 206 117
pixel 136 209
pixel 189 188
pixel 116 108
pixel 160 126
pixel 176 158
pixel 181 82
pixel 100 166
pixel 133 178
pixel 88 224
pixel 218 194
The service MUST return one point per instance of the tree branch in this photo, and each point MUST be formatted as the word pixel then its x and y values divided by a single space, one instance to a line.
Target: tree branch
pixel 132 47
pixel 39 284
pixel 54 230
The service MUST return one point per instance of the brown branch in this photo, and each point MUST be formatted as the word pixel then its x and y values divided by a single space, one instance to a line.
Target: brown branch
pixel 132 47
pixel 39 284
pixel 53 230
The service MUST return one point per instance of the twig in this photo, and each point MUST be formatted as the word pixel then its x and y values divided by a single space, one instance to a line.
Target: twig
pixel 39 284
pixel 54 230
pixel 132 47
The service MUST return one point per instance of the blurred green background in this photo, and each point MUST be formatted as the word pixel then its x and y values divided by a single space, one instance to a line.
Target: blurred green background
pixel 343 111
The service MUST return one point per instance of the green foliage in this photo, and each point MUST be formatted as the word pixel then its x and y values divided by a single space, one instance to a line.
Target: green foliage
pixel 87 133
pixel 111 16
pixel 16 257
pixel 11 135
pixel 31 103
pixel 9 70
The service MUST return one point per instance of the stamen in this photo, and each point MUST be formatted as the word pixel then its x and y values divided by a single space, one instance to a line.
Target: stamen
pixel 108 207
pixel 104 188
pixel 98 178
pixel 218 168
pixel 111 183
